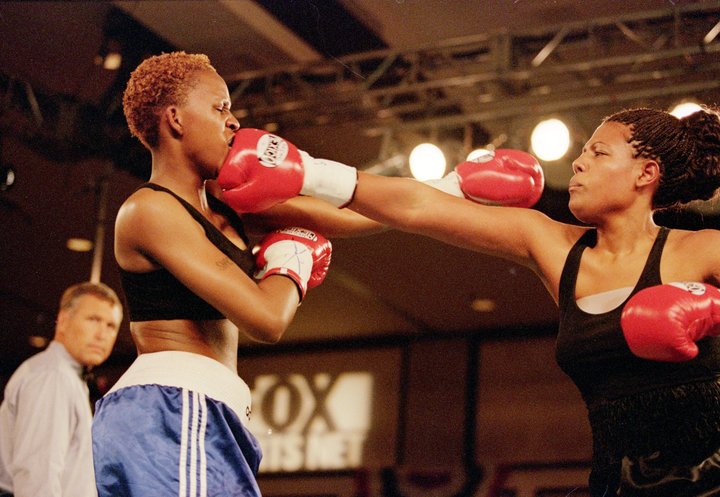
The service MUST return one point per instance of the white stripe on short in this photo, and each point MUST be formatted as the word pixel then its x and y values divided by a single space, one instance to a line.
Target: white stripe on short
pixel 192 446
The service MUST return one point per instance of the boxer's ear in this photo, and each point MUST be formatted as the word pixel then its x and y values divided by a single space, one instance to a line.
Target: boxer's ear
pixel 172 118
pixel 648 173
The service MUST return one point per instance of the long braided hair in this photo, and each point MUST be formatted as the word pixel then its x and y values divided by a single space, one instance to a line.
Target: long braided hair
pixel 686 149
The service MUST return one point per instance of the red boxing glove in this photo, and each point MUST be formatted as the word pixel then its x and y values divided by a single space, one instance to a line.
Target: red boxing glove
pixel 262 170
pixel 503 177
pixel 300 254
pixel 663 322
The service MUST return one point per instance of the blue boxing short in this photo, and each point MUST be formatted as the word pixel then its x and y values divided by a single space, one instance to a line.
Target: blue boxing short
pixel 173 425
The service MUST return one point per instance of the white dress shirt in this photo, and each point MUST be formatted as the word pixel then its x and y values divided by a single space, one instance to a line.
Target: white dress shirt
pixel 45 426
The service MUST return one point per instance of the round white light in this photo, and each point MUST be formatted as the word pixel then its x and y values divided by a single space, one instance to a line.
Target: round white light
pixel 427 162
pixel 685 109
pixel 550 140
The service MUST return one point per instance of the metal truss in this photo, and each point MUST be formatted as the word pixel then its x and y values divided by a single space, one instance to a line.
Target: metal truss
pixel 670 52
pixel 486 82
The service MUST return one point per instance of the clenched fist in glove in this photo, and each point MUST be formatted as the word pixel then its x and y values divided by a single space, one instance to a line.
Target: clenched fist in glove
pixel 663 322
pixel 262 170
pixel 301 255
pixel 503 177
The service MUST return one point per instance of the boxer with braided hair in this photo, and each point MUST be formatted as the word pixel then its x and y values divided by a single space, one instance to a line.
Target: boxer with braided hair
pixel 639 311
pixel 688 154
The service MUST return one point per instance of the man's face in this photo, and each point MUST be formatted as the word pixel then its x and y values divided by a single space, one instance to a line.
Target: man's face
pixel 88 330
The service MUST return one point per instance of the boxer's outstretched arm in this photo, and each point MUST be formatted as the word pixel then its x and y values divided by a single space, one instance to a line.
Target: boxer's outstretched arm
pixel 408 205
pixel 313 214
pixel 263 170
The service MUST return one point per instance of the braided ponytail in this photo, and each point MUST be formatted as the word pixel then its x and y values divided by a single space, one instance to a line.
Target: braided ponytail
pixel 687 151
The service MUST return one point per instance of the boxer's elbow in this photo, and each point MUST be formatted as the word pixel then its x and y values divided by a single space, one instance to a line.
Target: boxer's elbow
pixel 267 325
pixel 269 333
pixel 269 337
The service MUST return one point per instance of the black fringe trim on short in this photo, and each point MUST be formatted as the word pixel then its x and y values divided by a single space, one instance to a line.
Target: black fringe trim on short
pixel 682 422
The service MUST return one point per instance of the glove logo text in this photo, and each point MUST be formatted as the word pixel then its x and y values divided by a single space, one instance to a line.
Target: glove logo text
pixel 271 150
pixel 691 287
pixel 300 232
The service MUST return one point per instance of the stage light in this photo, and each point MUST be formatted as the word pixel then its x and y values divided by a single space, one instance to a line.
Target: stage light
pixel 79 244
pixel 109 56
pixel 112 61
pixel 427 161
pixel 550 140
pixel 685 109
pixel 37 341
pixel 483 305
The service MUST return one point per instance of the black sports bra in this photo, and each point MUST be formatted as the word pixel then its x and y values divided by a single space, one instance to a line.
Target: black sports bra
pixel 591 348
pixel 158 295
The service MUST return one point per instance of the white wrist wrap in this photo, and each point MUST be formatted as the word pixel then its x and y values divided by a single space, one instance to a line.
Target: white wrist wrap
pixel 449 184
pixel 328 180
pixel 291 259
pixel 287 255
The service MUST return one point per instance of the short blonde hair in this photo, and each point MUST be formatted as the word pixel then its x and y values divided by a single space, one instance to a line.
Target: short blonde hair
pixel 100 290
pixel 159 81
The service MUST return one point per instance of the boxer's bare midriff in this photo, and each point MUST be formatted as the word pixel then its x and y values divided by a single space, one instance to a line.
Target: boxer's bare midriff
pixel 217 339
